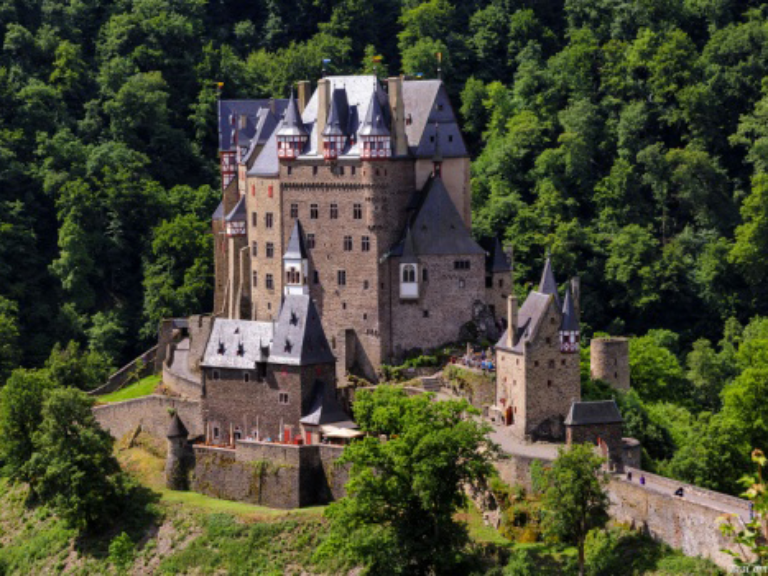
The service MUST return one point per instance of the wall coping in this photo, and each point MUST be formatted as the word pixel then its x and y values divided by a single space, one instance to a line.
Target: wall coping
pixel 152 397
pixel 704 492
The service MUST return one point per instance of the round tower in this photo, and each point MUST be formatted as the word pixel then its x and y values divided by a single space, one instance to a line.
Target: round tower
pixel 176 477
pixel 609 358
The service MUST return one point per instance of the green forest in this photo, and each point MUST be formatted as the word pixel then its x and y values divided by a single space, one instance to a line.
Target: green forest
pixel 628 137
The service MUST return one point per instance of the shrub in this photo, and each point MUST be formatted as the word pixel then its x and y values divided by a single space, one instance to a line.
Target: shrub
pixel 121 551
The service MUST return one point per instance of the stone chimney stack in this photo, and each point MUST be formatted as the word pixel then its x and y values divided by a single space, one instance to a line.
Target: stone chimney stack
pixel 576 295
pixel 323 101
pixel 397 109
pixel 304 94
pixel 511 318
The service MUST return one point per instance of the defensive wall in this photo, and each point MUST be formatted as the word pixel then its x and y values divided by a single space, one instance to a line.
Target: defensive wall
pixel 153 413
pixel 180 384
pixel 145 364
pixel 689 523
pixel 275 475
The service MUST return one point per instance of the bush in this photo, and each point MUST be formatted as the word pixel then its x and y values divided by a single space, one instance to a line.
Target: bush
pixel 422 361
pixel 521 563
pixel 121 551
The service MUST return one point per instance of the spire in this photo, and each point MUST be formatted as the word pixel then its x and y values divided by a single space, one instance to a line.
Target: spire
pixel 296 249
pixel 374 123
pixel 177 428
pixel 336 125
pixel 548 284
pixel 570 320
pixel 409 252
pixel 292 123
pixel 500 261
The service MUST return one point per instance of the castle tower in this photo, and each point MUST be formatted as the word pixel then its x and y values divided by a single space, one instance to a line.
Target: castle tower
pixel 296 263
pixel 498 285
pixel 609 359
pixel 176 463
pixel 238 264
pixel 291 136
pixel 374 135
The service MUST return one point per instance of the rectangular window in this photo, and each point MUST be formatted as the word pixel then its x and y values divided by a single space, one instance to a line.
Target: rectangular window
pixel 341 277
pixel 254 219
pixel 366 244
pixel 461 264
pixel 314 170
pixel 354 170
pixel 341 170
pixel 316 277
pixel 282 398
pixel 357 211
pixel 254 249
pixel 270 250
pixel 313 211
pixel 347 243
pixel 269 220
pixel 294 210
pixel 255 279
pixel 334 211
pixel 270 282
pixel 310 241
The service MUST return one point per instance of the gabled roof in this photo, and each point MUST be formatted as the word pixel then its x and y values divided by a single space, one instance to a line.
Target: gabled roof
pixel 230 112
pixel 570 321
pixel 296 249
pixel 218 214
pixel 325 409
pixel 548 284
pixel 374 123
pixel 529 318
pixel 299 337
pixel 266 123
pixel 500 261
pixel 238 344
pixel 239 212
pixel 438 228
pixel 426 103
pixel 336 124
pixel 600 412
pixel 267 164
pixel 292 124
pixel 177 428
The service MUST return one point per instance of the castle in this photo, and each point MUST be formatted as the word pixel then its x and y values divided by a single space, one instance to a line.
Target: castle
pixel 375 184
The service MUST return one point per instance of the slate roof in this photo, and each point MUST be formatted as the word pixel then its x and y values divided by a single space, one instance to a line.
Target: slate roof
pixel 373 123
pixel 358 90
pixel 426 103
pixel 437 227
pixel 601 412
pixel 409 252
pixel 499 260
pixel 177 428
pixel 336 124
pixel 229 123
pixel 570 321
pixel 238 344
pixel 296 249
pixel 265 126
pixel 219 212
pixel 292 124
pixel 529 319
pixel 299 338
pixel 267 163
pixel 548 284
pixel 239 213
pixel 325 409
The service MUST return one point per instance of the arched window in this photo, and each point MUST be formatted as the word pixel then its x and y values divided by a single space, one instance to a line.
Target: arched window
pixel 409 273
pixel 292 276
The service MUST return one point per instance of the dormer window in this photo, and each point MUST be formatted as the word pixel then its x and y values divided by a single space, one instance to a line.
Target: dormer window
pixel 376 147
pixel 409 285
pixel 333 146
pixel 290 147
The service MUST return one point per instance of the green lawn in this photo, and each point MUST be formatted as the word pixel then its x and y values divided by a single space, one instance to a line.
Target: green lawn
pixel 215 505
pixel 143 387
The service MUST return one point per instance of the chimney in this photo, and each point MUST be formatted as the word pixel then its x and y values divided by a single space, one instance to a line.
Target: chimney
pixel 576 295
pixel 397 108
pixel 323 100
pixel 511 319
pixel 303 95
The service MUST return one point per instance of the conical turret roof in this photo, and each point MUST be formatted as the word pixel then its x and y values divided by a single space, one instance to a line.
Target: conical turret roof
pixel 500 261
pixel 292 124
pixel 296 249
pixel 177 428
pixel 374 123
pixel 409 252
pixel 336 125
pixel 548 284
pixel 570 321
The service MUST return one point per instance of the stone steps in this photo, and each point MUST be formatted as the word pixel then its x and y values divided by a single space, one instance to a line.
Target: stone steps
pixel 432 383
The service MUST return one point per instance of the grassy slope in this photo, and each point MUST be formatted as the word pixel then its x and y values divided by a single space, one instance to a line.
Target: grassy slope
pixel 202 535
pixel 143 387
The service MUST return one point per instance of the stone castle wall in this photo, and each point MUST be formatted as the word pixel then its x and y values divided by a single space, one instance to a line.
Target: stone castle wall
pixel 181 385
pixel 609 361
pixel 152 413
pixel 274 475
pixel 496 295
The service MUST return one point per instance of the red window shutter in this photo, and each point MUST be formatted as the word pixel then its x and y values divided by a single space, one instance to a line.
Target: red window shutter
pixel 253 189
pixel 269 191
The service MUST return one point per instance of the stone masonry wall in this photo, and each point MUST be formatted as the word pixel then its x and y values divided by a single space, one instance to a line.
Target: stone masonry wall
pixel 553 381
pixel 609 361
pixel 181 385
pixel 496 295
pixel 510 386
pixel 608 433
pixel 152 413
pixel 444 304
